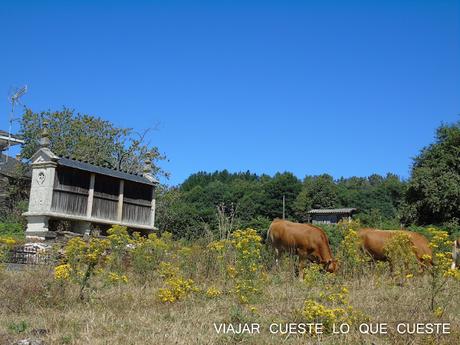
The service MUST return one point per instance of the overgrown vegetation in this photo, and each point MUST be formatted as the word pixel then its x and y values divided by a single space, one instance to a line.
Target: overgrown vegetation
pixel 250 200
pixel 208 204
pixel 158 290
pixel 430 196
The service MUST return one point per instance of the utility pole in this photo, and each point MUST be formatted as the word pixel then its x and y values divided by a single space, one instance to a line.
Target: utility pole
pixel 284 206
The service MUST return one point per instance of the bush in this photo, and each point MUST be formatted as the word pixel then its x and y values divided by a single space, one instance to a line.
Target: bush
pixel 335 235
pixel 400 253
pixel 440 271
pixel 331 306
pixel 350 255
pixel 12 229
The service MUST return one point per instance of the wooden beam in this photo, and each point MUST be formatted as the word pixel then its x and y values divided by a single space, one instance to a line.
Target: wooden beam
pixel 152 209
pixel 89 208
pixel 120 201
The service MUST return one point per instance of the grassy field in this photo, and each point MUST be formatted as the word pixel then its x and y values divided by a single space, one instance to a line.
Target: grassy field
pixel 149 298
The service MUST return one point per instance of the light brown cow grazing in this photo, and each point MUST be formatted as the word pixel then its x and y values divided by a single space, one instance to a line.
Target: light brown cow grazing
pixel 374 242
pixel 305 240
pixel 456 254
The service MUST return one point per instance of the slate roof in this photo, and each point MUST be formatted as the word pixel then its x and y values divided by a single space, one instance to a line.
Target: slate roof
pixel 6 135
pixel 86 166
pixel 332 210
pixel 8 166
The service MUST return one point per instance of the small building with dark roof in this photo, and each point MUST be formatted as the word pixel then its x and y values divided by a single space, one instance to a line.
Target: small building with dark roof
pixel 331 215
pixel 84 193
pixel 7 139
pixel 10 173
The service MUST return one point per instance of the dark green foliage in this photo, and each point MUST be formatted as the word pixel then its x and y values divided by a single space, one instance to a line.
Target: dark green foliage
pixel 12 229
pixel 19 327
pixel 82 137
pixel 377 198
pixel 274 188
pixel 334 234
pixel 191 209
pixel 89 138
pixel 433 194
pixel 317 192
pixel 15 202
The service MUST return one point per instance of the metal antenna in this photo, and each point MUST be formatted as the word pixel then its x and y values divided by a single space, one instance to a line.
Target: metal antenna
pixel 14 98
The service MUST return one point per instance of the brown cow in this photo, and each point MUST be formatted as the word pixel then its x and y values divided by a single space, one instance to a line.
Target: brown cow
pixel 456 254
pixel 374 242
pixel 305 240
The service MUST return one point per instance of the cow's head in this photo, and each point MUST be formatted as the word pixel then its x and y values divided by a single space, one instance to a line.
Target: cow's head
pixel 331 266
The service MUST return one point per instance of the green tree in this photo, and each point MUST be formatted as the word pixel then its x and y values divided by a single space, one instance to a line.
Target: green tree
pixel 378 198
pixel 282 184
pixel 89 138
pixel 433 194
pixel 317 192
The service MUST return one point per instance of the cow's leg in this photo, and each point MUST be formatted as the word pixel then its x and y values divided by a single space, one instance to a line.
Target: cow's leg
pixel 422 264
pixel 302 263
pixel 455 254
pixel 277 256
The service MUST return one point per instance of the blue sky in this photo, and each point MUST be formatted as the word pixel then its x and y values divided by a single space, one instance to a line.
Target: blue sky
pixel 339 87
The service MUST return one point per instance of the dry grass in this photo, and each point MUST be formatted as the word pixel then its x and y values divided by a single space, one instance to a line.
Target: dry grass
pixel 31 301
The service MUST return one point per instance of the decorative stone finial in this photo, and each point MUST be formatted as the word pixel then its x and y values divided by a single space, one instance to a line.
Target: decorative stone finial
pixel 45 138
pixel 147 163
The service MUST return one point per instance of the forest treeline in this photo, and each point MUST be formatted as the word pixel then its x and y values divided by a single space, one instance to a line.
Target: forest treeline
pixel 215 203
pixel 210 202
pixel 205 201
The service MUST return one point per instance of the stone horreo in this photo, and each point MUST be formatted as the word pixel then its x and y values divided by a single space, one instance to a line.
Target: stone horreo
pixel 375 240
pixel 307 241
pixel 86 194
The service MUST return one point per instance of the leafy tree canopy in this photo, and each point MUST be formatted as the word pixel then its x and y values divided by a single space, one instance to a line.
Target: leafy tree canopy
pixel 433 194
pixel 256 200
pixel 89 138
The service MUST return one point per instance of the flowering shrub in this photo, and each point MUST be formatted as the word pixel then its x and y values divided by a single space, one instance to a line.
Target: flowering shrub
pixel 218 247
pixel 6 244
pixel 117 278
pixel 331 306
pixel 350 255
pixel 213 292
pixel 83 261
pixel 315 274
pixel 167 270
pixel 96 257
pixel 177 287
pixel 440 271
pixel 220 253
pixel 400 253
pixel 148 253
pixel 441 246
pixel 246 272
pixel 119 243
pixel 318 313
pixel 7 241
pixel 62 272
